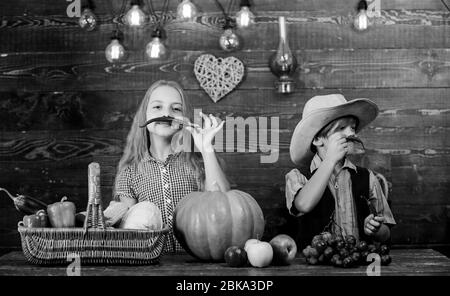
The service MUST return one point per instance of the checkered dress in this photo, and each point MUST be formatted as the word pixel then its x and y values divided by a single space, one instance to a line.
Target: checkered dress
pixel 163 183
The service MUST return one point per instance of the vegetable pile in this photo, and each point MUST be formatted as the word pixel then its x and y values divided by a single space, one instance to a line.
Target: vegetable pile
pixel 38 214
pixel 62 214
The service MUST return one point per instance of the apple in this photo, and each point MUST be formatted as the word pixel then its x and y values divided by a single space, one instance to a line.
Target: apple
pixel 249 242
pixel 284 249
pixel 259 253
pixel 235 256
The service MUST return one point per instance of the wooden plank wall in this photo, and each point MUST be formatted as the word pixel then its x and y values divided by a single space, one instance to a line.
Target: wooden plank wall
pixel 62 105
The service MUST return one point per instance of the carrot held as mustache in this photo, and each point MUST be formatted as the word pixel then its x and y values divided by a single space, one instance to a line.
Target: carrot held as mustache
pixel 168 119
pixel 355 140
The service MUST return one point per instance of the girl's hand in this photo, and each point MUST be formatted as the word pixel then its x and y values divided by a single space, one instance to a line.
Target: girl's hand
pixel 203 137
pixel 337 147
pixel 372 224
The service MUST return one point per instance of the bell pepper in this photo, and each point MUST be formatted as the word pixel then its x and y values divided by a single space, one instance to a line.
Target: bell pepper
pixel 62 213
pixel 36 220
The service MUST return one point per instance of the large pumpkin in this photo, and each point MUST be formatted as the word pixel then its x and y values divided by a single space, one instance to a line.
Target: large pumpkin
pixel 207 223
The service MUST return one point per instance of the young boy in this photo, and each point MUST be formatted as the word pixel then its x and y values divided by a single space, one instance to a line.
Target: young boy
pixel 337 190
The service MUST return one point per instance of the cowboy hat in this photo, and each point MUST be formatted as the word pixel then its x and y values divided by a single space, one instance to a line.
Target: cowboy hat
pixel 317 113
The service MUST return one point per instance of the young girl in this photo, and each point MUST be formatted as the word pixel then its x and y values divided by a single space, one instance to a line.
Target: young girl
pixel 153 169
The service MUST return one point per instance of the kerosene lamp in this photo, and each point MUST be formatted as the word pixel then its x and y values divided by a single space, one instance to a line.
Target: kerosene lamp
pixel 283 63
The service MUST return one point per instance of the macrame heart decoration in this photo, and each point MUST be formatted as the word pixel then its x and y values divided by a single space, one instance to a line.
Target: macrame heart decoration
pixel 218 76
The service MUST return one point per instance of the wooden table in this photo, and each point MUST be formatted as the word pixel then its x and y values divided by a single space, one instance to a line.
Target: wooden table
pixel 405 262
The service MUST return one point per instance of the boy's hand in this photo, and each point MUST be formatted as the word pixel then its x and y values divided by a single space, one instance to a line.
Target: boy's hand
pixel 337 147
pixel 372 224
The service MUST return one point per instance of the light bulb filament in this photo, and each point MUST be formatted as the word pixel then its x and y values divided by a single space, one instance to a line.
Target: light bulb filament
pixel 115 52
pixel 187 11
pixel 362 19
pixel 87 20
pixel 285 58
pixel 244 18
pixel 135 19
pixel 135 16
pixel 156 49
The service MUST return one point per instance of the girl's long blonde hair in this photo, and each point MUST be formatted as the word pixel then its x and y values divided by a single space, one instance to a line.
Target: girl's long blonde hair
pixel 138 139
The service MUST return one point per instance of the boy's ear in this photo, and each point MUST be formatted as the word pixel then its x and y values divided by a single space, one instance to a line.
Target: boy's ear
pixel 318 141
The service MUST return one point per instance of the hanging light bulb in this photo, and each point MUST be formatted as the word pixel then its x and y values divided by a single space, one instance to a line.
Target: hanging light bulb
pixel 115 52
pixel 155 49
pixel 361 21
pixel 244 17
pixel 87 20
pixel 135 17
pixel 283 63
pixel 229 40
pixel 186 10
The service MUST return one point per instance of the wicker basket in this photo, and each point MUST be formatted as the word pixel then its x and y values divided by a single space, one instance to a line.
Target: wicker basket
pixel 94 243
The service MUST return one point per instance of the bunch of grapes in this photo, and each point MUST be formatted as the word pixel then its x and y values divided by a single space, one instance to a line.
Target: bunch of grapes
pixel 340 251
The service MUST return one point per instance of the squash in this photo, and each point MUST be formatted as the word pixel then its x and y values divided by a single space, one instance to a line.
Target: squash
pixel 143 215
pixel 208 223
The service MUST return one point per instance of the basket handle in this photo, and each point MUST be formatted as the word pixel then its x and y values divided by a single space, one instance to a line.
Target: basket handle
pixel 94 211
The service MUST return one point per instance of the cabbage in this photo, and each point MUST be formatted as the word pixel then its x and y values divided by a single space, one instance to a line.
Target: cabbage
pixel 143 215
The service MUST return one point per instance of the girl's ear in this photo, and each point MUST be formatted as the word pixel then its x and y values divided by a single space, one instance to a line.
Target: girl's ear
pixel 318 141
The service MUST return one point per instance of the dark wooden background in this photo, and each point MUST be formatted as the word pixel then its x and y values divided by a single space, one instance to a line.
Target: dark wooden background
pixel 62 105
